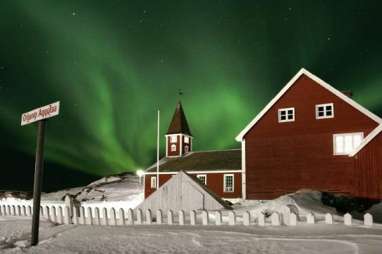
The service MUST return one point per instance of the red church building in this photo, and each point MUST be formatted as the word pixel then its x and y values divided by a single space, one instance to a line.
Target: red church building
pixel 220 171
pixel 310 136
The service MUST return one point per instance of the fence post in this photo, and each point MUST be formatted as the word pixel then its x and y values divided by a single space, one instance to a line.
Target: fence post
pixel 328 218
pixel 130 217
pixel 53 214
pixel 18 210
pixel 139 216
pixel 13 210
pixel 82 215
pixel 105 217
pixel 231 218
pixel 121 218
pixel 310 219
pixel 261 219
pixel 368 219
pixel 205 218
pixel 159 216
pixel 218 218
pixel 9 210
pixel 60 215
pixel 113 217
pixel 193 217
pixel 275 219
pixel 181 217
pixel 96 215
pixel 292 219
pixel 148 217
pixel 170 217
pixel 75 217
pixel 348 219
pixel 29 210
pixel 246 218
pixel 90 216
pixel 24 211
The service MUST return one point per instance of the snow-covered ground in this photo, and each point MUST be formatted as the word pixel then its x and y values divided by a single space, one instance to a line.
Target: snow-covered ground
pixel 304 239
pixel 124 187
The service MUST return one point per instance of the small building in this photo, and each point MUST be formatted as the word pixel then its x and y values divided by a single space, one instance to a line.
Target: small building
pixel 220 171
pixel 183 192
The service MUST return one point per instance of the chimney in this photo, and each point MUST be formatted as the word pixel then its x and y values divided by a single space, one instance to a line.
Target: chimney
pixel 348 93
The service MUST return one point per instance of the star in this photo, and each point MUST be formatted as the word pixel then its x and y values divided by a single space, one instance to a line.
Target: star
pixel 74 13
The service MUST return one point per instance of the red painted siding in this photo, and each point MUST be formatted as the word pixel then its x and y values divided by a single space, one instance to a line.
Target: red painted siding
pixel 368 169
pixel 285 157
pixel 215 183
pixel 174 153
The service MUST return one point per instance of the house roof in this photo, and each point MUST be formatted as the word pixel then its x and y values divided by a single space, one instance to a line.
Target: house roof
pixel 319 82
pixel 179 122
pixel 201 161
pixel 367 140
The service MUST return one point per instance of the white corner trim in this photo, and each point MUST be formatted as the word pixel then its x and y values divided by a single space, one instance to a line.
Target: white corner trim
pixel 243 174
pixel 320 82
pixel 367 140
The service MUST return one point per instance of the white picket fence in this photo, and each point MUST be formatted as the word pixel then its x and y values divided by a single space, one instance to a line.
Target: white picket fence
pixel 91 215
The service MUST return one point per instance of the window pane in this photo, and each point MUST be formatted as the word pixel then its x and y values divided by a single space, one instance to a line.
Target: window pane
pixel 357 140
pixel 348 143
pixel 173 139
pixel 329 107
pixel 340 144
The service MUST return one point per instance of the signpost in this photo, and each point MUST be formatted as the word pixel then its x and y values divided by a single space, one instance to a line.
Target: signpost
pixel 39 115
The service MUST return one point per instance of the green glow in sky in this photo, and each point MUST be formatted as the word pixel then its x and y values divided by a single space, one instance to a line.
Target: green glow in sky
pixel 112 64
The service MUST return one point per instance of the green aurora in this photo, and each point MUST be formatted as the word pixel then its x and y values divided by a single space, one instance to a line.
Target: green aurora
pixel 113 63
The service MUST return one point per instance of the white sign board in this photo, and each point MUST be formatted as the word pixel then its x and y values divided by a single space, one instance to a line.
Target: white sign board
pixel 38 114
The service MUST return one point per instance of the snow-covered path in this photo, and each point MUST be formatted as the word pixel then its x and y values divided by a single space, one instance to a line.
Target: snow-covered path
pixel 14 237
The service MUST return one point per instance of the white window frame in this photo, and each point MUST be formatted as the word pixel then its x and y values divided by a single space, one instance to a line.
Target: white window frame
pixel 286 111
pixel 153 182
pixel 173 139
pixel 173 147
pixel 186 140
pixel 325 116
pixel 225 189
pixel 343 135
pixel 205 178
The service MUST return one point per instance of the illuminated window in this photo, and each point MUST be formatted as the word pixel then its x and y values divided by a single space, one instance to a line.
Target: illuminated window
pixel 202 178
pixel 228 183
pixel 345 144
pixel 173 148
pixel 153 180
pixel 173 139
pixel 286 115
pixel 325 111
pixel 186 140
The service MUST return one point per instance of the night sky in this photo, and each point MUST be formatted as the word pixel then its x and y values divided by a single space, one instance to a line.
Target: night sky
pixel 113 63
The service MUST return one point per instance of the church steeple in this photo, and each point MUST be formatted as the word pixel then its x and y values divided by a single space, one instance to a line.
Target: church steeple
pixel 178 137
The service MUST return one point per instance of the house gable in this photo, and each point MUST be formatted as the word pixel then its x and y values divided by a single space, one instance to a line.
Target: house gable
pixel 339 95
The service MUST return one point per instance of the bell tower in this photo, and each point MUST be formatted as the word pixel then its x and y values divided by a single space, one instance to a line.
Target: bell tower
pixel 178 136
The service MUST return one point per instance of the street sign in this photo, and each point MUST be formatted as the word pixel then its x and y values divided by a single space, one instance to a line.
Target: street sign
pixel 38 114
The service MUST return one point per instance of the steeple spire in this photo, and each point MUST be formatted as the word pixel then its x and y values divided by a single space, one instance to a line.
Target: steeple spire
pixel 178 136
pixel 179 122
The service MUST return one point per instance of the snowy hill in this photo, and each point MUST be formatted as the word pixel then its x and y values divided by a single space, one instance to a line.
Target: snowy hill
pixel 123 187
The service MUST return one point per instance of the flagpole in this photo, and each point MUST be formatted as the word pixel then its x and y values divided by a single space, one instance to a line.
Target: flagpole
pixel 158 149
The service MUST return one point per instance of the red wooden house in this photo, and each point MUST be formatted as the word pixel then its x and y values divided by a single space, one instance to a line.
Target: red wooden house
pixel 220 171
pixel 312 136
